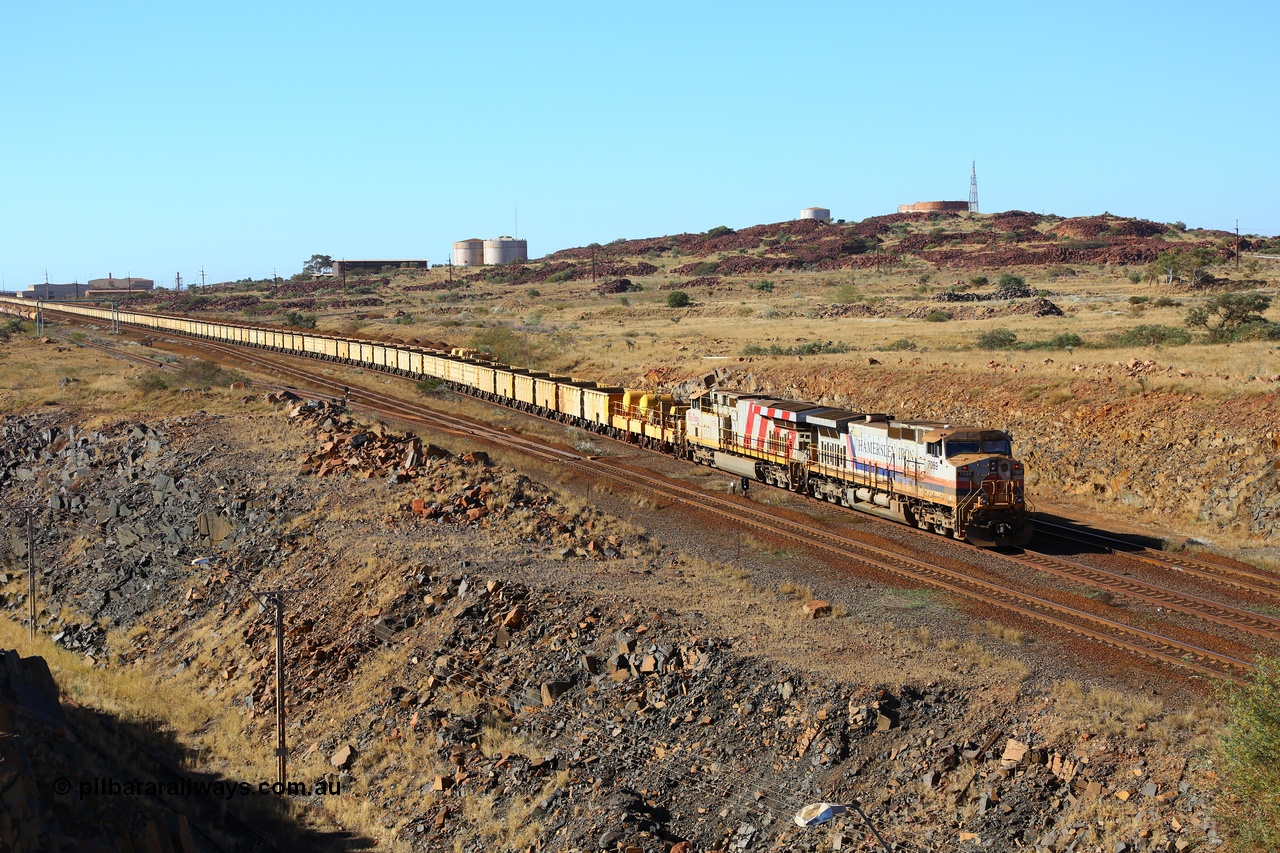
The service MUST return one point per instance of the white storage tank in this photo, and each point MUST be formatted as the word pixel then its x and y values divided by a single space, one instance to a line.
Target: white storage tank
pixel 504 250
pixel 816 213
pixel 468 253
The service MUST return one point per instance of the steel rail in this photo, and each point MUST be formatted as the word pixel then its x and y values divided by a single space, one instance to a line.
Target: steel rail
pixel 1259 583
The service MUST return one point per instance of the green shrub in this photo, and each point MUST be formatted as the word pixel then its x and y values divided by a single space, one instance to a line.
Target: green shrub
pixel 996 339
pixel 201 373
pixel 429 385
pixel 1135 277
pixel 900 345
pixel 1060 271
pixel 1152 336
pixel 1010 280
pixel 1066 340
pixel 1166 302
pixel 765 286
pixel 533 293
pixel 938 316
pixel 1250 744
pixel 562 275
pixel 719 231
pixel 1260 331
pixel 705 268
pixel 811 348
pixel 678 299
pixel 12 325
pixel 846 294
pixel 299 321
pixel 1139 300
pixel 150 382
pixel 979 281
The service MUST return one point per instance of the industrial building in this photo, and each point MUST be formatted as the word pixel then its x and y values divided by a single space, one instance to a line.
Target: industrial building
pixel 96 287
pixel 504 250
pixel 934 206
pixel 821 213
pixel 345 267
pixel 468 253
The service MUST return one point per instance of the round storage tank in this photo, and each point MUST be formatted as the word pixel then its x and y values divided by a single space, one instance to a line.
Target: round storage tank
pixel 816 213
pixel 468 253
pixel 504 250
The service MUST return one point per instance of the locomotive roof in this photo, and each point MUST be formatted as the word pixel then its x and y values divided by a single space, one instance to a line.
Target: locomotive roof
pixel 971 433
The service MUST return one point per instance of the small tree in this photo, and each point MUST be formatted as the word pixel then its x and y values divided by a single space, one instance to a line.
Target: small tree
pixel 318 264
pixel 1225 315
pixel 1167 267
pixel 677 299
pixel 1197 263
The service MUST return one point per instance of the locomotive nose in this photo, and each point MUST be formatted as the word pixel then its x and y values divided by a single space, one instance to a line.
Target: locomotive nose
pixel 1005 468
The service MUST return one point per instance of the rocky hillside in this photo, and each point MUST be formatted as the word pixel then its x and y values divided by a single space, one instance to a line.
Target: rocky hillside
pixel 479 662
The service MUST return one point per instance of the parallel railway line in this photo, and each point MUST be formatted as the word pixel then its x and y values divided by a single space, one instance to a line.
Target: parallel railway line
pixel 1245 579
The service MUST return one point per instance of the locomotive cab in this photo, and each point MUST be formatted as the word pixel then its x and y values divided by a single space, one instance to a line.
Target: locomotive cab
pixel 991 505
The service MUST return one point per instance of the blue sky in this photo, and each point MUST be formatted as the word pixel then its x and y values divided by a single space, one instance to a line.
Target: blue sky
pixel 151 138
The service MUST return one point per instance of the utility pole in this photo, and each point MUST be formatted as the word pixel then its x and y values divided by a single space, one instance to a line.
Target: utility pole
pixel 30 510
pixel 275 598
pixel 1237 245
pixel 202 276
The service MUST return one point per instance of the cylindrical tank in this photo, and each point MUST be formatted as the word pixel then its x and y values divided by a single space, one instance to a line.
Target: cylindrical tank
pixel 816 213
pixel 504 250
pixel 468 253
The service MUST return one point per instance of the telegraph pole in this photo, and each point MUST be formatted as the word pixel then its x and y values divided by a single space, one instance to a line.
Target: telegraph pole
pixel 1237 245
pixel 275 598
pixel 30 510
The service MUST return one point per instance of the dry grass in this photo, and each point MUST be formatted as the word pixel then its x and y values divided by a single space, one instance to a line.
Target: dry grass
pixel 1103 711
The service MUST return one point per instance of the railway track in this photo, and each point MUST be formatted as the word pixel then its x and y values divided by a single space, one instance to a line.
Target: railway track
pixel 1059 616
pixel 1241 578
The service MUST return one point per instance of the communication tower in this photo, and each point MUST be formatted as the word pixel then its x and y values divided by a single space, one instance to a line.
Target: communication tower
pixel 973 188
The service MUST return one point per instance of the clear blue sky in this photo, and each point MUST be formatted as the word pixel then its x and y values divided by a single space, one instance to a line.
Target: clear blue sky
pixel 151 138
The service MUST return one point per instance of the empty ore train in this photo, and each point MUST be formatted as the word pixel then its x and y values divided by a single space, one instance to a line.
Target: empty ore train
pixel 961 481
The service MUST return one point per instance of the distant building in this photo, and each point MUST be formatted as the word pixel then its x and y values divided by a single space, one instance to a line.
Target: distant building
pixel 821 213
pixel 109 286
pixel 127 284
pixel 934 206
pixel 374 267
pixel 468 253
pixel 504 250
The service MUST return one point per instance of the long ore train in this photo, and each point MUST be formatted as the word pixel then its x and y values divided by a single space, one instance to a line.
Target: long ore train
pixel 961 481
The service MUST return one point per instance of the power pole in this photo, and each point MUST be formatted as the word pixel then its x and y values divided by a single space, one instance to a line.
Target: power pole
pixel 202 276
pixel 30 510
pixel 275 598
pixel 1237 245
pixel 973 188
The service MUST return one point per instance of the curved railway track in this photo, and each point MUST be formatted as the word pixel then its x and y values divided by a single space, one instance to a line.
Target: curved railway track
pixel 1059 616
